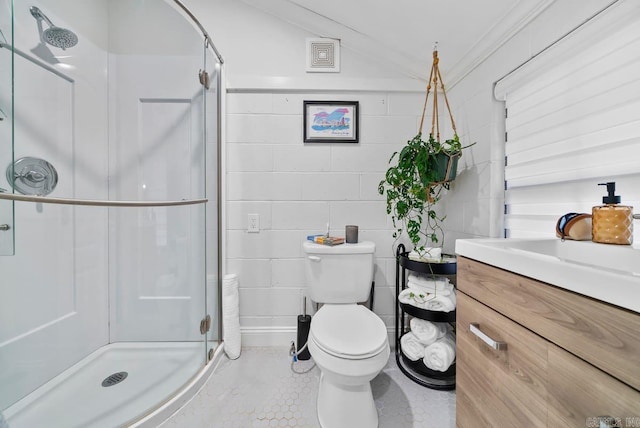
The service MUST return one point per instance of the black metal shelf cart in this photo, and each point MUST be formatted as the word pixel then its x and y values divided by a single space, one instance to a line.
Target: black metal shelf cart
pixel 416 370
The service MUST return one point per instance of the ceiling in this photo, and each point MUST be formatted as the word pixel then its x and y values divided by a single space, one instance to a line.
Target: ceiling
pixel 402 33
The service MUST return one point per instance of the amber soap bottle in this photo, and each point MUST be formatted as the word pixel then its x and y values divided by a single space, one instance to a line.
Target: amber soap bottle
pixel 612 223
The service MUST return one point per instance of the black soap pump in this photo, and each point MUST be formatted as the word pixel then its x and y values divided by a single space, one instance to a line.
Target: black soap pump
pixel 612 223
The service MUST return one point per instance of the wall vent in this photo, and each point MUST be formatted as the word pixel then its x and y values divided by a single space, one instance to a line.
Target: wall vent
pixel 323 55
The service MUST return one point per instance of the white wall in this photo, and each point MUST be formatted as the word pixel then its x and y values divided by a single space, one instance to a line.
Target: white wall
pixel 475 206
pixel 297 188
pixel 54 289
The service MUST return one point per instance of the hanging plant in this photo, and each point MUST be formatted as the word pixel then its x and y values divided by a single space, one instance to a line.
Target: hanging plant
pixel 418 174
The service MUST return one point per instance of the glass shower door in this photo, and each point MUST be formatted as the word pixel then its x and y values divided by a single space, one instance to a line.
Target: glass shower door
pixel 6 127
pixel 117 255
pixel 157 153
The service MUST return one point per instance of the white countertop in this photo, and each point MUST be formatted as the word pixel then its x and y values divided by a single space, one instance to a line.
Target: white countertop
pixel 610 273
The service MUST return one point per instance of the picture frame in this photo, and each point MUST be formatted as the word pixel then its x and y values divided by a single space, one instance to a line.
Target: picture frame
pixel 331 121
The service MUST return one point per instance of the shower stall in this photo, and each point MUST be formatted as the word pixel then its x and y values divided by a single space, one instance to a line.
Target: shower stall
pixel 109 210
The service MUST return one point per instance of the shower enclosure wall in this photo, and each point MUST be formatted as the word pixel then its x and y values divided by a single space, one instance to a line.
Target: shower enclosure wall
pixel 109 207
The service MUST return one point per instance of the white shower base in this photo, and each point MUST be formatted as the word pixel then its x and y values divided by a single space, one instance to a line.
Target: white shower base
pixel 76 397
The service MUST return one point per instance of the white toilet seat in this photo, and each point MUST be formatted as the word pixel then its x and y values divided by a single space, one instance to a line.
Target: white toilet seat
pixel 348 331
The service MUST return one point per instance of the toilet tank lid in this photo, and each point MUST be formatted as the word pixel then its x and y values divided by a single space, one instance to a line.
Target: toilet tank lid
pixel 364 247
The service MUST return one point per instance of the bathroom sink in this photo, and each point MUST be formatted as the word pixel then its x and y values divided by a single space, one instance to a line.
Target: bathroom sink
pixel 610 273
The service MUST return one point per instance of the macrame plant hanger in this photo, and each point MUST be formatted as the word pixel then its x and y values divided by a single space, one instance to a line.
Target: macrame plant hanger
pixel 436 78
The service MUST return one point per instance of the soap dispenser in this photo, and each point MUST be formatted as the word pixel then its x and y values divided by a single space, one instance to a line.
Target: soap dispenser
pixel 612 223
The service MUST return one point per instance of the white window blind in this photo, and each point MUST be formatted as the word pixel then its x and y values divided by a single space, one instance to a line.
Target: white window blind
pixel 573 121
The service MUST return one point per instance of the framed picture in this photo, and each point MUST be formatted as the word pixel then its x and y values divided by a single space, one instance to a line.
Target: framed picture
pixel 330 121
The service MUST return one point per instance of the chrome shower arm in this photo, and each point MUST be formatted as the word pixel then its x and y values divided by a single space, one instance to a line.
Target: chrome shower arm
pixel 37 13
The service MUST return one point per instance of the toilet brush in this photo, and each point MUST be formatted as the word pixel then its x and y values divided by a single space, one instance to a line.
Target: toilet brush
pixel 304 323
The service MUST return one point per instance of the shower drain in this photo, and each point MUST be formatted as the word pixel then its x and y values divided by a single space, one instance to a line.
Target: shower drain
pixel 114 379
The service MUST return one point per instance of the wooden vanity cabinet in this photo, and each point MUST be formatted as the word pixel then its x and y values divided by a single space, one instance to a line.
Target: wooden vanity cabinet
pixel 567 359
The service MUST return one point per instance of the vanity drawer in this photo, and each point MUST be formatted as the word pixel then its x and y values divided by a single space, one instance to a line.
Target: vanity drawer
pixel 602 334
pixel 498 388
pixel 579 393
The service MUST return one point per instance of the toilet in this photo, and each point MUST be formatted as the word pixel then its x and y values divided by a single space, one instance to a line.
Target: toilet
pixel 348 342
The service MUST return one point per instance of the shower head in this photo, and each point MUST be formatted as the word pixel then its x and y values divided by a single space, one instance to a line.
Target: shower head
pixel 60 37
pixel 55 36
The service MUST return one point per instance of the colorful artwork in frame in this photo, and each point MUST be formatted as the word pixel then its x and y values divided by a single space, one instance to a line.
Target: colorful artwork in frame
pixel 330 121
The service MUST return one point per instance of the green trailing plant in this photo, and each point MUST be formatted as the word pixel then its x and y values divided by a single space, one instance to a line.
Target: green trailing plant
pixel 420 172
pixel 413 185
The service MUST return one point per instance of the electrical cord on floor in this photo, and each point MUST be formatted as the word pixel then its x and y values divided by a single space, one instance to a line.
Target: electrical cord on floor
pixel 304 371
pixel 294 354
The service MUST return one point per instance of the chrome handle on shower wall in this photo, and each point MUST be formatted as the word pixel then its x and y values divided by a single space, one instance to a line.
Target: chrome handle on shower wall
pixel 35 176
pixel 32 176
pixel 4 227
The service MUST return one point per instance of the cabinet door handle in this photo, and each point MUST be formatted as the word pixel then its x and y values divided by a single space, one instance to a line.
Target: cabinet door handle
pixel 498 346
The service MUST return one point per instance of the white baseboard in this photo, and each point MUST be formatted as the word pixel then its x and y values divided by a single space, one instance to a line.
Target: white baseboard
pixel 281 336
pixel 267 336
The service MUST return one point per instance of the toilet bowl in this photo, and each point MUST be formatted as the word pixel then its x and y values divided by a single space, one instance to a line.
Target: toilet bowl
pixel 347 341
pixel 350 345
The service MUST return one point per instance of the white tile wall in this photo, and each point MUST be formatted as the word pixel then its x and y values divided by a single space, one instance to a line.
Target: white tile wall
pixel 299 215
pixel 297 187
pixel 298 158
pixel 288 273
pixel 330 186
pixel 250 157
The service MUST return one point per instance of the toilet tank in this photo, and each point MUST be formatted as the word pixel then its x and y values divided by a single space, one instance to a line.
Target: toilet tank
pixel 339 274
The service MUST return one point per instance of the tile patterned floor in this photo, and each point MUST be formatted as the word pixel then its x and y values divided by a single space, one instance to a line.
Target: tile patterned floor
pixel 259 389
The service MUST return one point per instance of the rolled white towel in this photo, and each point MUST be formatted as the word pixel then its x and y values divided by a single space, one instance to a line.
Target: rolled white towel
pixel 444 291
pixel 231 316
pixel 410 346
pixel 440 354
pixel 441 303
pixel 427 332
pixel 410 296
pixel 436 283
pixel 428 254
